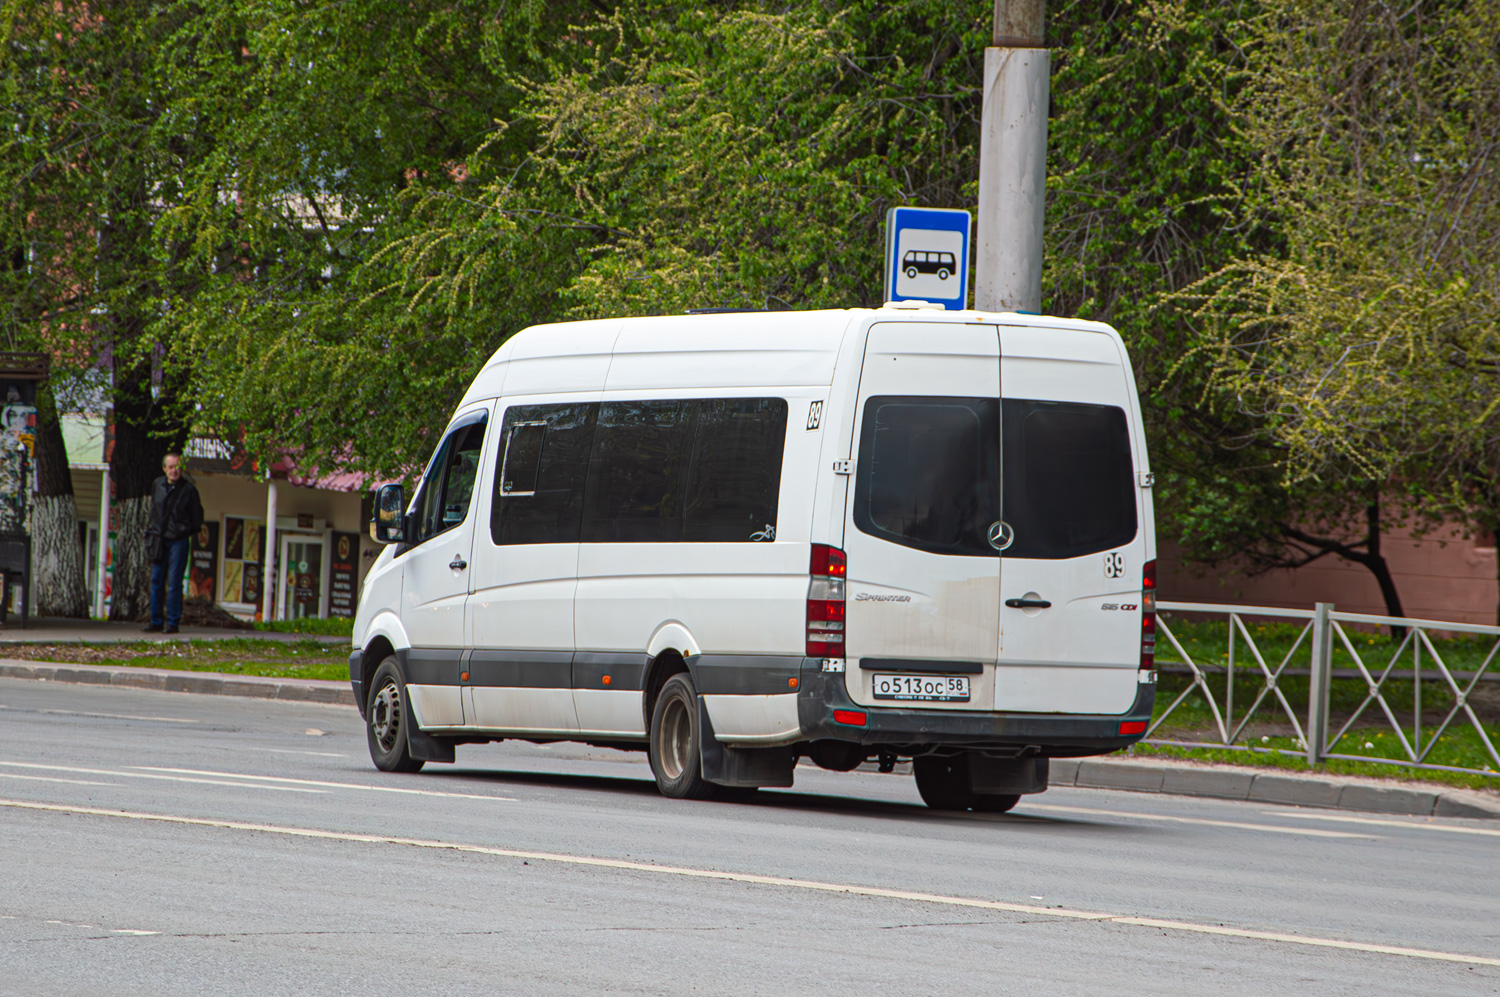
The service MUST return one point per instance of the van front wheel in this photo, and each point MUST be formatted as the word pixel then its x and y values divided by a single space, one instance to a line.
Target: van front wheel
pixel 675 739
pixel 387 713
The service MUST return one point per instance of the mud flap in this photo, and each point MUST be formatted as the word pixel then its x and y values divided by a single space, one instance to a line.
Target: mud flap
pixel 425 748
pixel 729 766
pixel 999 776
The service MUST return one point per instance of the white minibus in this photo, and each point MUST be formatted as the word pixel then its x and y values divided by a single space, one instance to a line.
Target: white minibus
pixel 736 541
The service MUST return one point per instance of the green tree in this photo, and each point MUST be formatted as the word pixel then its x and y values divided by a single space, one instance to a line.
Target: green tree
pixel 1366 346
pixel 89 159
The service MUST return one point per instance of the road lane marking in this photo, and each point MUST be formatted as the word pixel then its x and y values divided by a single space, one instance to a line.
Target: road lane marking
pixel 47 778
pixel 289 751
pixel 119 716
pixel 148 775
pixel 1378 822
pixel 88 927
pixel 777 881
pixel 346 785
pixel 1304 831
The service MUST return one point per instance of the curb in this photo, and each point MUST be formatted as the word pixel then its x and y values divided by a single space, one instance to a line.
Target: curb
pixel 1139 776
pixel 167 680
pixel 1260 786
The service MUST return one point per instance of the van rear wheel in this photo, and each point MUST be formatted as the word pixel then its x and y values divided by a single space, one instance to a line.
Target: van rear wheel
pixel 995 803
pixel 387 714
pixel 943 781
pixel 676 735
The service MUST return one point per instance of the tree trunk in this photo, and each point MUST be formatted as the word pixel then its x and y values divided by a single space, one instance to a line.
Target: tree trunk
pixel 1378 567
pixel 130 596
pixel 57 558
pixel 60 587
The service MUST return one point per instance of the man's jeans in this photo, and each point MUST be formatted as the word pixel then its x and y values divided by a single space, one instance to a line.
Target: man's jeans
pixel 167 574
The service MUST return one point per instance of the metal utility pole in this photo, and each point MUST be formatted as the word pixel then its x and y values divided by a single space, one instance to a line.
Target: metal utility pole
pixel 1013 161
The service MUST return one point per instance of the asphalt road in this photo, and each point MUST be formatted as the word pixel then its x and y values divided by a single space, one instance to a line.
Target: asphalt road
pixel 161 843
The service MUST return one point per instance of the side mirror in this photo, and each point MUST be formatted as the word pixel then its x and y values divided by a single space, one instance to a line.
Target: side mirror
pixel 388 526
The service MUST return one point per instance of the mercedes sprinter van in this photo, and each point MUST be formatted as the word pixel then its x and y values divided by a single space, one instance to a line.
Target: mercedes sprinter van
pixel 735 541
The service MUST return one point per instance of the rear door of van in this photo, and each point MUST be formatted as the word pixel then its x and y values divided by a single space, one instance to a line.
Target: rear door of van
pixel 1076 527
pixel 923 585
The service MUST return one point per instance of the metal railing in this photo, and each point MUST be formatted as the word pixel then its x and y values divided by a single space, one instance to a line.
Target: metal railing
pixel 1311 654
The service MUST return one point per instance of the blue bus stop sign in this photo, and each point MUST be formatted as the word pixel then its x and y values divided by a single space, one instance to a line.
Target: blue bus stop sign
pixel 927 256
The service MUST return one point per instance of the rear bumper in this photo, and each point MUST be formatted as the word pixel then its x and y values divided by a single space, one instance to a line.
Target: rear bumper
pixel 1055 735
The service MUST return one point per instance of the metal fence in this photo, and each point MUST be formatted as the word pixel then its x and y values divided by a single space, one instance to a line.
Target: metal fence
pixel 1415 660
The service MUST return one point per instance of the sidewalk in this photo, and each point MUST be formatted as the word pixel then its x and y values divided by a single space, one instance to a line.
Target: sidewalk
pixel 1140 775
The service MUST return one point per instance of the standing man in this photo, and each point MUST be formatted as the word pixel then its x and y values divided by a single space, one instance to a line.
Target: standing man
pixel 176 514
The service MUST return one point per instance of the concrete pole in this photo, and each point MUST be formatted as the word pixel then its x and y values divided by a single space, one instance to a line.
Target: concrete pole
pixel 267 589
pixel 1013 161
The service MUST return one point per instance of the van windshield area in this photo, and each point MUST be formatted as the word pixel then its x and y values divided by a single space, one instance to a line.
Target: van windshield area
pixel 935 473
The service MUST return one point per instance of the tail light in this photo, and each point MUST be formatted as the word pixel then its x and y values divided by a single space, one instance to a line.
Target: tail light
pixel 825 602
pixel 1148 617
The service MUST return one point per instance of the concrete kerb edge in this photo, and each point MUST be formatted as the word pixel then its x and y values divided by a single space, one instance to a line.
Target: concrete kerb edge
pixel 1093 773
pixel 202 683
pixel 1266 787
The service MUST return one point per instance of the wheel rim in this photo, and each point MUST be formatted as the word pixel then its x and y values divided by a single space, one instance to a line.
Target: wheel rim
pixel 676 742
pixel 385 716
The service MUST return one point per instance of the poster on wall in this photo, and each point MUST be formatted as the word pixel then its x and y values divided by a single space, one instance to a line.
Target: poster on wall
pixel 250 590
pixel 343 574
pixel 244 553
pixel 203 562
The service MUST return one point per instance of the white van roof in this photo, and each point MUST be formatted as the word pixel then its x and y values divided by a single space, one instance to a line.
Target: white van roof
pixel 696 351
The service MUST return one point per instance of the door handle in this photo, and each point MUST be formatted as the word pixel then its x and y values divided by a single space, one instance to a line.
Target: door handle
pixel 459 564
pixel 1028 603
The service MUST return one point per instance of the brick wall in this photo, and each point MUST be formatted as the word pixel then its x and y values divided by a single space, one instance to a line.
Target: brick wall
pixel 1440 576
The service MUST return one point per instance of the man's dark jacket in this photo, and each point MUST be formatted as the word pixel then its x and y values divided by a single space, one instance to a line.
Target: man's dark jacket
pixel 176 511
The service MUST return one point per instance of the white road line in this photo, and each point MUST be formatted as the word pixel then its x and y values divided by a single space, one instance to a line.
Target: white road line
pixel 347 785
pixel 146 775
pixel 1272 828
pixel 119 716
pixel 1378 822
pixel 779 881
pixel 44 778
pixel 289 751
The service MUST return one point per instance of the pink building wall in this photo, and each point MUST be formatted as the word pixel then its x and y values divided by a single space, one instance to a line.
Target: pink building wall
pixel 1439 576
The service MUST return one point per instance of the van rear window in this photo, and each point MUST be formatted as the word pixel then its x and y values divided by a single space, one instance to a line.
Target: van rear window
pixel 930 475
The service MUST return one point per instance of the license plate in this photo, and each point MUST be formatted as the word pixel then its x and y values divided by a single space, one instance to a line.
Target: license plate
pixel 925 688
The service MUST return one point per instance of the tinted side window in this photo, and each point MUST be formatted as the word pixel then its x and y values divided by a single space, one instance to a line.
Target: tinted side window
pixel 928 472
pixel 1069 478
pixel 544 455
pixel 637 472
pixel 449 485
pixel 735 480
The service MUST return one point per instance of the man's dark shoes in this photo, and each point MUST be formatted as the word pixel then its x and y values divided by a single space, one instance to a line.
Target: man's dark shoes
pixel 152 628
pixel 169 629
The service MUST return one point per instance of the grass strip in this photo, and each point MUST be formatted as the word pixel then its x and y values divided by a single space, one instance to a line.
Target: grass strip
pixel 305 659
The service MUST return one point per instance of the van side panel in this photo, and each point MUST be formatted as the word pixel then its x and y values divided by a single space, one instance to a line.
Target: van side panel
pixel 696 352
pixel 562 358
pixel 738 601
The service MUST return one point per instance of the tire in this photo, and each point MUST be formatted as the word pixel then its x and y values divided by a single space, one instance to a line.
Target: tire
pixel 676 759
pixel 943 781
pixel 995 803
pixel 386 716
pixel 911 272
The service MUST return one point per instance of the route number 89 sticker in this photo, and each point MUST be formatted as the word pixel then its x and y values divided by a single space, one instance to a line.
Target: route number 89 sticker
pixel 1114 564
